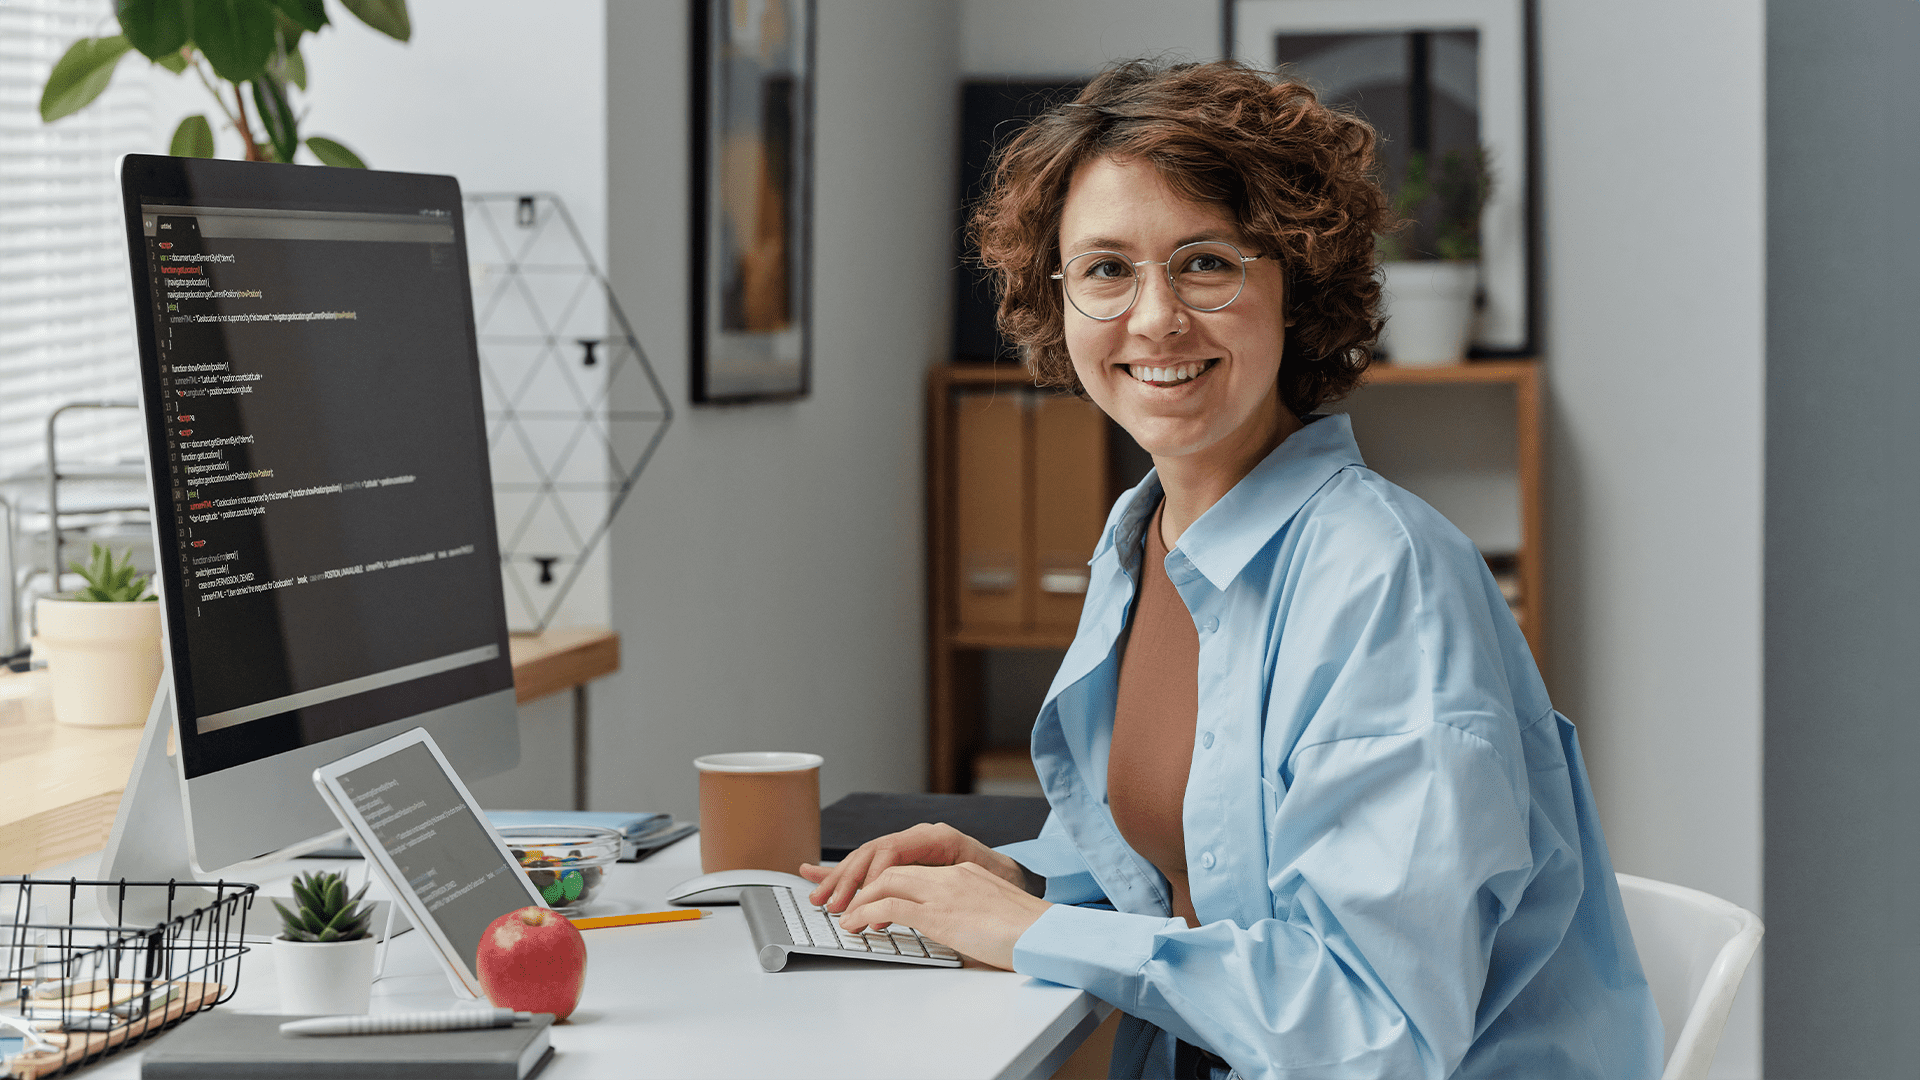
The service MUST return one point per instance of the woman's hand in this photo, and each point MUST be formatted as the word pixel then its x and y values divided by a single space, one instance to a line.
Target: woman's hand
pixel 922 845
pixel 966 908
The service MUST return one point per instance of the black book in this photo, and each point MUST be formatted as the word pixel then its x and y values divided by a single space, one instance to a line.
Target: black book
pixel 222 1045
pixel 991 819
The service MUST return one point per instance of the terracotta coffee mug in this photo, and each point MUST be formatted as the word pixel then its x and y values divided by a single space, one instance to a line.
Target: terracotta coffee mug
pixel 759 811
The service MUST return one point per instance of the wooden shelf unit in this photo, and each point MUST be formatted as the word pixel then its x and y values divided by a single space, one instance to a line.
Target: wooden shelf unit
pixel 954 653
pixel 1524 377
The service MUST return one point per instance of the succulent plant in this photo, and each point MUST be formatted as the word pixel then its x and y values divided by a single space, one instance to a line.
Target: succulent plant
pixel 110 579
pixel 326 912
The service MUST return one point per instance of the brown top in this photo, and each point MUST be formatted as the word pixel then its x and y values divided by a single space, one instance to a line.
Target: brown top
pixel 1153 723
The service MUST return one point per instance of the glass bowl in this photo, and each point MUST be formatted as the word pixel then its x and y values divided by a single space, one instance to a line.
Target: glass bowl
pixel 566 863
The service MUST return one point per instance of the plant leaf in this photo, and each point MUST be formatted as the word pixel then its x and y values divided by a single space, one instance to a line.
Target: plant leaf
pixel 387 16
pixel 283 128
pixel 80 75
pixel 295 69
pixel 193 138
pixel 236 36
pixel 306 14
pixel 303 892
pixel 332 153
pixel 175 61
pixel 155 27
pixel 343 927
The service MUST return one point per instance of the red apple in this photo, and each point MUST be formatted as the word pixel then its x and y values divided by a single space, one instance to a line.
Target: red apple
pixel 532 960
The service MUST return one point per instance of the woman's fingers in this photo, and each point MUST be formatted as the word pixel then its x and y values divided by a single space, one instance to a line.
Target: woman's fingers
pixel 921 845
pixel 965 907
pixel 844 878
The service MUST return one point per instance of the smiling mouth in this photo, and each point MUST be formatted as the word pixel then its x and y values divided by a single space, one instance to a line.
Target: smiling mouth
pixel 1171 374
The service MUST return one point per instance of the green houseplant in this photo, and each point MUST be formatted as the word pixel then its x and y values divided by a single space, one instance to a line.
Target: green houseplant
pixel 323 958
pixel 102 644
pixel 324 912
pixel 1429 264
pixel 240 50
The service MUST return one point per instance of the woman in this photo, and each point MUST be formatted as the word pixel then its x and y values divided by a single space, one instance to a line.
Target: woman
pixel 1298 744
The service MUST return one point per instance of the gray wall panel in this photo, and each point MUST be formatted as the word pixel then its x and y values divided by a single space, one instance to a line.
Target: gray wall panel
pixel 1842 517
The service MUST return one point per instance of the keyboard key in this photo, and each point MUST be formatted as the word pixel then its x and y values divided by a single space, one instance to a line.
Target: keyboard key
pixel 881 942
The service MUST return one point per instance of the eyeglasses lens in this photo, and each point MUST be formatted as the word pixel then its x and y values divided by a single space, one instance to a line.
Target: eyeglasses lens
pixel 1206 277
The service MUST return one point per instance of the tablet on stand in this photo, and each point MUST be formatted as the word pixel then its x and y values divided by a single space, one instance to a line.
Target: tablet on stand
pixel 430 842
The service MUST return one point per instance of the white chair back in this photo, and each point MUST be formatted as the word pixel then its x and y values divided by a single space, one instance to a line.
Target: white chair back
pixel 1695 948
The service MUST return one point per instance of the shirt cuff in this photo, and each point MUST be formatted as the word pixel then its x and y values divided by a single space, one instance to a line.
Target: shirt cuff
pixel 1098 951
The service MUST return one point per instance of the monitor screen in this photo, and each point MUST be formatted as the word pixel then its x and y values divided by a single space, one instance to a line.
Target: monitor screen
pixel 318 453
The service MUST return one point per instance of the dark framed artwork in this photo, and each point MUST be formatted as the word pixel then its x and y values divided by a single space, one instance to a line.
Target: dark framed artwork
pixel 1432 76
pixel 752 199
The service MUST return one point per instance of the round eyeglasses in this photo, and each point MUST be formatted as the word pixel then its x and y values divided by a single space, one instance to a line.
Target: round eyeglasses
pixel 1207 276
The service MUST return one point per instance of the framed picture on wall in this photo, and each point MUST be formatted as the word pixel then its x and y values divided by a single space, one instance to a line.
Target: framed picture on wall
pixel 1437 78
pixel 752 199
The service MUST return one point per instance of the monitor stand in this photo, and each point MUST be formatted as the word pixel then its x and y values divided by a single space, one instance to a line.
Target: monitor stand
pixel 149 838
pixel 149 844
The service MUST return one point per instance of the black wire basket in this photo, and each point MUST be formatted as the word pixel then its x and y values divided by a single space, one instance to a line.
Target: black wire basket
pixel 75 991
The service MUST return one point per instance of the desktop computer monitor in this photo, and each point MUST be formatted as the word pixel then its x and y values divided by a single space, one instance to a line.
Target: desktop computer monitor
pixel 328 569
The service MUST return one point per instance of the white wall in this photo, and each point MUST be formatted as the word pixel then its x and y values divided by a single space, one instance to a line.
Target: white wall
pixel 768 579
pixel 1653 153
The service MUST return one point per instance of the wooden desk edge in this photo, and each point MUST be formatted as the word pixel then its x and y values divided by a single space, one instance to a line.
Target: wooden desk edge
pixel 78 820
pixel 561 660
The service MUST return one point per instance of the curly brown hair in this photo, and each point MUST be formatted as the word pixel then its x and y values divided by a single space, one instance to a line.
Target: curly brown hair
pixel 1296 175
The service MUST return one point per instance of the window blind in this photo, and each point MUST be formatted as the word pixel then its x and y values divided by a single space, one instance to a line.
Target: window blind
pixel 66 309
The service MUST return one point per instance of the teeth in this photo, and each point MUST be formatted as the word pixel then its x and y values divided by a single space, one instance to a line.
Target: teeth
pixel 1177 373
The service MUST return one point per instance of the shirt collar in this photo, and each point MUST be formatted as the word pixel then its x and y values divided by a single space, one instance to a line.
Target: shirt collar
pixel 1233 530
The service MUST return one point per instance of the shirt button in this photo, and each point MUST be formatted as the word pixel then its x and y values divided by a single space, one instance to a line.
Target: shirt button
pixel 1206 741
pixel 1211 624
pixel 1206 861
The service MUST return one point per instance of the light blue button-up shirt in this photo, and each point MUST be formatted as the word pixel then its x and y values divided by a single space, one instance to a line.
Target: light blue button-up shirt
pixel 1392 845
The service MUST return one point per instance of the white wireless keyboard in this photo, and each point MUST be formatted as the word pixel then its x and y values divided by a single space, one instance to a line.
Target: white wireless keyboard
pixel 784 924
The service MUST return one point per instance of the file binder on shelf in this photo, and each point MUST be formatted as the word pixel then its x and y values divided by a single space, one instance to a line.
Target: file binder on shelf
pixel 1070 501
pixel 991 465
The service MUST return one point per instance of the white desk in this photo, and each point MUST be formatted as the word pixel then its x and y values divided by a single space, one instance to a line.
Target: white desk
pixel 689 999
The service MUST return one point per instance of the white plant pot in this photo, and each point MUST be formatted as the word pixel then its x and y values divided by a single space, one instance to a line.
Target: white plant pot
pixel 104 659
pixel 324 978
pixel 1429 309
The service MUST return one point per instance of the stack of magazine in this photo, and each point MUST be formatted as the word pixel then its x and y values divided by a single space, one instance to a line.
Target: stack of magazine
pixel 645 832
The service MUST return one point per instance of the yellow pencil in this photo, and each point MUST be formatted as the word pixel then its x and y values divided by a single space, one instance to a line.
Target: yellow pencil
pixel 635 920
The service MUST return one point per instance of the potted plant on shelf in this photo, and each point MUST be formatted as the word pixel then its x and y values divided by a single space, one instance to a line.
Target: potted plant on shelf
pixel 323 958
pixel 102 644
pixel 1430 264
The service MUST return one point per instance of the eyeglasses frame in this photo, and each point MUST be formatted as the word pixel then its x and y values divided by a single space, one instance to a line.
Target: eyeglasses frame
pixel 1060 275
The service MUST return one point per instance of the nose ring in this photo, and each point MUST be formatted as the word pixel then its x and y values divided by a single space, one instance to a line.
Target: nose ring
pixel 1183 327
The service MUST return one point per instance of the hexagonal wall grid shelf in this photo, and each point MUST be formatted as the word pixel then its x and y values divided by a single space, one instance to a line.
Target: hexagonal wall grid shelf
pixel 559 365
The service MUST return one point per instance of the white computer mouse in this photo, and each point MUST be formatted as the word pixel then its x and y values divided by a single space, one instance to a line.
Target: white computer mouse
pixel 723 886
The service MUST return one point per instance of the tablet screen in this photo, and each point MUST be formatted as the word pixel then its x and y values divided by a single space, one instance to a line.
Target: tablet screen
pixel 444 853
